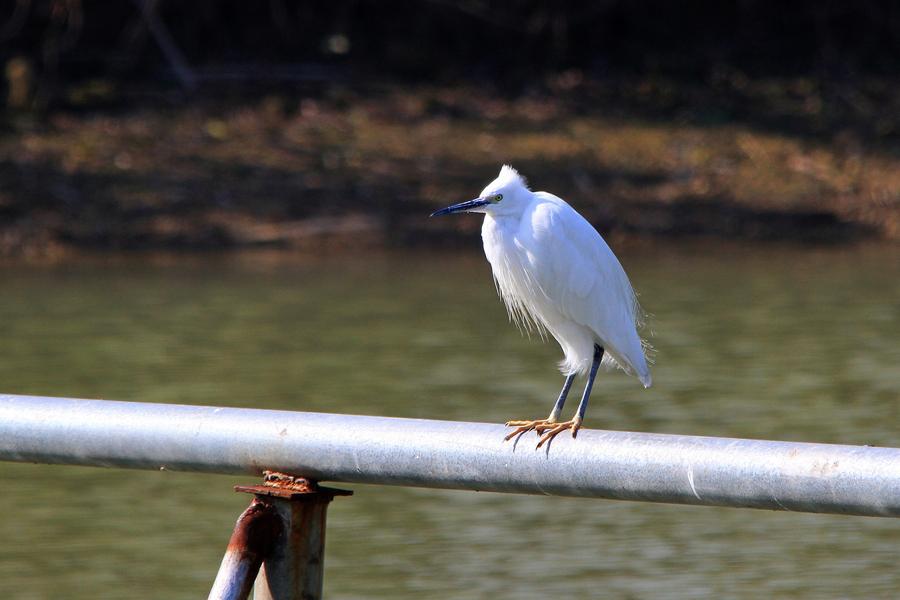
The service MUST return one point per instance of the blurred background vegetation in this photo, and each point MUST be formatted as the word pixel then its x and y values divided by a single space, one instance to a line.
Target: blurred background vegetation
pixel 202 125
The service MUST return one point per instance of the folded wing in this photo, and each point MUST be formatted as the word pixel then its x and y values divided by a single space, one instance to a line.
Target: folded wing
pixel 579 274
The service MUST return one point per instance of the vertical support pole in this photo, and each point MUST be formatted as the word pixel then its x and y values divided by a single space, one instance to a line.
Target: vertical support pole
pixel 294 567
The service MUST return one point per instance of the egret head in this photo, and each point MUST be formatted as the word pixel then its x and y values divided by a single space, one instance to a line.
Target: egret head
pixel 506 195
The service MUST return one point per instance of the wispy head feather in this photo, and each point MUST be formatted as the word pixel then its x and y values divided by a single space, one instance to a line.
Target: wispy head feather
pixel 509 175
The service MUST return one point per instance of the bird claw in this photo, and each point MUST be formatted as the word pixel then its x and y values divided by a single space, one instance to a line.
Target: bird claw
pixel 546 428
pixel 574 425
pixel 540 425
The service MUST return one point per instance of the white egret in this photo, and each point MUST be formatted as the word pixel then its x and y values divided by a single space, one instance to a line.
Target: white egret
pixel 555 273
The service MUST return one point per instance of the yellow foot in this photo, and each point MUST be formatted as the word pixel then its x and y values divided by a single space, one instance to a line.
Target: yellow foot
pixel 540 425
pixel 550 433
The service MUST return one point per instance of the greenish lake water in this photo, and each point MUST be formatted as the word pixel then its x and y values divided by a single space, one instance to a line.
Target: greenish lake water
pixel 765 342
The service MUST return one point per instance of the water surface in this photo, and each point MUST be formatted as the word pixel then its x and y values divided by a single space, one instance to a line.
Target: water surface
pixel 776 342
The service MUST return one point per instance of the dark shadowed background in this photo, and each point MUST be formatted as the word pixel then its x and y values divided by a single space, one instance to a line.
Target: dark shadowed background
pixel 161 125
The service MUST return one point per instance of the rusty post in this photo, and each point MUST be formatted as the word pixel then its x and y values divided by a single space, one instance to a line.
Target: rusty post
pixel 255 534
pixel 293 569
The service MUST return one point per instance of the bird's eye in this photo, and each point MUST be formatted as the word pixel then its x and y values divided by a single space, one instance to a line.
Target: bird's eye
pixel 498 197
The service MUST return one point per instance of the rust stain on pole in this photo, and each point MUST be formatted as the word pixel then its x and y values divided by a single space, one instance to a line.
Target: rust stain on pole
pixel 255 534
pixel 294 569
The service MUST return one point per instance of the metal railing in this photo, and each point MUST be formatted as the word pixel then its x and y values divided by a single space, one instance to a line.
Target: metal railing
pixel 824 478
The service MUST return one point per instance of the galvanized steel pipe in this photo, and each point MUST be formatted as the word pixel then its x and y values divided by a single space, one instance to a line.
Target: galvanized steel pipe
pixel 827 478
pixel 256 535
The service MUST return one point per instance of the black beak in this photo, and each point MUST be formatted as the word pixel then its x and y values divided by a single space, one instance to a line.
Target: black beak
pixel 461 207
